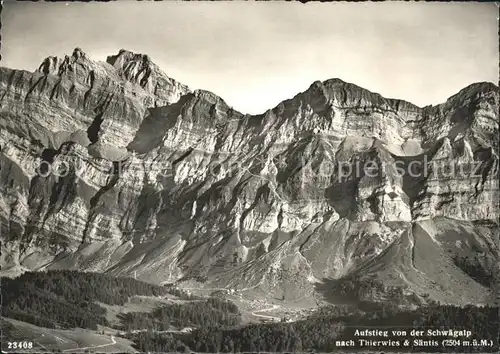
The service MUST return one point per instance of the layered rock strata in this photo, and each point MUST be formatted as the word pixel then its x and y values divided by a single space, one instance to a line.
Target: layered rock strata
pixel 116 167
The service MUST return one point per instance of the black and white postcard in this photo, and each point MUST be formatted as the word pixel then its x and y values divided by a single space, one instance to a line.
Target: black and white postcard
pixel 240 176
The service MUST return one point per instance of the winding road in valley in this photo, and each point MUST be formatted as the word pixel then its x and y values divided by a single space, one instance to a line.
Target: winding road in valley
pixel 113 341
pixel 272 308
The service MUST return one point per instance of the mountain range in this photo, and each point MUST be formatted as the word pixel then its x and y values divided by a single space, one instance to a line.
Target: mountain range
pixel 115 167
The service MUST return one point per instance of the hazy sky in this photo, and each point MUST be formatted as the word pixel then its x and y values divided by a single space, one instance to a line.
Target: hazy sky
pixel 256 54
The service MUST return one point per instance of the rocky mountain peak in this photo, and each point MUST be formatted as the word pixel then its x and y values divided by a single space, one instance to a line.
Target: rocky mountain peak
pixel 125 66
pixel 125 58
pixel 473 91
pixel 78 53
pixel 209 96
pixel 338 92
pixel 135 67
pixel 139 69
pixel 336 82
pixel 59 66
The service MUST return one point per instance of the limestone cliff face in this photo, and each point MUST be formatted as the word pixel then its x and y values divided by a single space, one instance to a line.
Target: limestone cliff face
pixel 113 166
pixel 76 99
